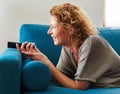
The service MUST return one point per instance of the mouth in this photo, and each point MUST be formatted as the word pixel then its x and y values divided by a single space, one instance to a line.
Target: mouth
pixel 53 38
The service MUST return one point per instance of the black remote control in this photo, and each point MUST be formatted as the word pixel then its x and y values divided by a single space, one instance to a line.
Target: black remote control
pixel 12 44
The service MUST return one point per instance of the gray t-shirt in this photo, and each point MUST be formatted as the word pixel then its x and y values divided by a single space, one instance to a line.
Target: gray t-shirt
pixel 98 63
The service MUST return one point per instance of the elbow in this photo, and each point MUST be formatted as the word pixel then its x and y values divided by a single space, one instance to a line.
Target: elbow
pixel 80 88
pixel 81 85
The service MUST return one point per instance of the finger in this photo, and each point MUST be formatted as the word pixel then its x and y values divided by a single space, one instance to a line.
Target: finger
pixel 17 46
pixel 32 46
pixel 28 53
pixel 28 46
pixel 23 46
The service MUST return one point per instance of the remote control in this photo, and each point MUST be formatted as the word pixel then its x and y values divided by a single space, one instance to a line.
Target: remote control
pixel 12 44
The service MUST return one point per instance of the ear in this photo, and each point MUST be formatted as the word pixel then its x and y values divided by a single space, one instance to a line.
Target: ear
pixel 71 30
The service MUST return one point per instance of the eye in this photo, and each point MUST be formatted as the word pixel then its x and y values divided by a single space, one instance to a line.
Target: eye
pixel 52 27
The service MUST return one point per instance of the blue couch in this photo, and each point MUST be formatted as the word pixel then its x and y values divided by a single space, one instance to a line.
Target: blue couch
pixel 22 75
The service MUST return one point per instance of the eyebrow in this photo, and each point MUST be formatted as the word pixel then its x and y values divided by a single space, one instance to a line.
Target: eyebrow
pixel 53 24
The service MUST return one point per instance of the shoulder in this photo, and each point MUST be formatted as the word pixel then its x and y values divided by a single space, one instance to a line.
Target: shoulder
pixel 95 39
pixel 95 42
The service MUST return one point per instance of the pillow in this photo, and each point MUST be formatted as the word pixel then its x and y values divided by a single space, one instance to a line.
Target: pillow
pixel 35 75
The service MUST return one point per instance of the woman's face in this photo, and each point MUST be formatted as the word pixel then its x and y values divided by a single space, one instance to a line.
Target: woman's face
pixel 59 34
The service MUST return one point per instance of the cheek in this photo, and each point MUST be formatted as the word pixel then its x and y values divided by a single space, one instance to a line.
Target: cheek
pixel 61 35
pixel 62 38
pixel 57 34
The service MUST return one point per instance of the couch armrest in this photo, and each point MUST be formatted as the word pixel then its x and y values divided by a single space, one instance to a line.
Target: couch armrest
pixel 10 71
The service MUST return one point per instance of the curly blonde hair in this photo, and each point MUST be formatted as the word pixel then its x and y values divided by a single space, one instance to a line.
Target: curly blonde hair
pixel 70 15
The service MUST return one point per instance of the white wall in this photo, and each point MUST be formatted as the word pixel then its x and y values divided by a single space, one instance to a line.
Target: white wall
pixel 14 13
pixel 112 16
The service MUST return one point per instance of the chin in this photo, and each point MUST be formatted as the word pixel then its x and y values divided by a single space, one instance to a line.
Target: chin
pixel 56 44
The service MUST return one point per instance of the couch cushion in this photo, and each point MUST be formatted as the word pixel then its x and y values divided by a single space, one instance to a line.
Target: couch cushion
pixel 57 90
pixel 35 75
pixel 103 91
pixel 112 35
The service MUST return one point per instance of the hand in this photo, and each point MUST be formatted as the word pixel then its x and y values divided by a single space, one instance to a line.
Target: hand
pixel 31 51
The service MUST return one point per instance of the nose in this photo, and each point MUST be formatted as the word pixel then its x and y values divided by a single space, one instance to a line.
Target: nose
pixel 49 31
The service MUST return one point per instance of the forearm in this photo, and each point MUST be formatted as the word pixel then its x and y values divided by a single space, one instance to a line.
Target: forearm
pixel 64 80
pixel 61 78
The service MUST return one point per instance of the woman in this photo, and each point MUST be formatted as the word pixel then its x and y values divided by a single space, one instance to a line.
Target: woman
pixel 85 55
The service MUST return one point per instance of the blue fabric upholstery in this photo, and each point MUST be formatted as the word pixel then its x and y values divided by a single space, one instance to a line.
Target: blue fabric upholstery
pixel 10 71
pixel 103 91
pixel 35 75
pixel 33 80
pixel 112 35
pixel 57 90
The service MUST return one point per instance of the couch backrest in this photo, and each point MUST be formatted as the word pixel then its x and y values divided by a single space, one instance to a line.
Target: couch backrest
pixel 112 35
pixel 38 33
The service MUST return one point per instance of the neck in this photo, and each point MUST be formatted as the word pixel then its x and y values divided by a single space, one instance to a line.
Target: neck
pixel 73 49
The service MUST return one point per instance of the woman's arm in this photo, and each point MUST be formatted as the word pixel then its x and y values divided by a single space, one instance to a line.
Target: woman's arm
pixel 66 81
pixel 31 51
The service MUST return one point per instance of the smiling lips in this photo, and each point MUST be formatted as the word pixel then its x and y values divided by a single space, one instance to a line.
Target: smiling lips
pixel 53 37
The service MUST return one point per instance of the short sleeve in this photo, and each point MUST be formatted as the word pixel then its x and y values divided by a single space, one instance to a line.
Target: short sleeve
pixel 65 64
pixel 95 56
